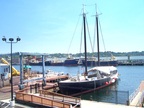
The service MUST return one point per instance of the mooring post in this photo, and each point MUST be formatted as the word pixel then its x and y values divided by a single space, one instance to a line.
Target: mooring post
pixel 21 85
pixel 43 71
pixel 128 98
pixel 30 89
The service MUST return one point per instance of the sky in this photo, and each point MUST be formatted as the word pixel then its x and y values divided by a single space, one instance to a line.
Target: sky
pixel 49 26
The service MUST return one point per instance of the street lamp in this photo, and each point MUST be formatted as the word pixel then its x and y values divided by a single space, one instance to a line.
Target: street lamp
pixel 11 40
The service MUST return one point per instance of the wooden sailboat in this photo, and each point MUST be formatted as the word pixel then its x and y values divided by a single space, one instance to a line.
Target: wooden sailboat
pixel 92 79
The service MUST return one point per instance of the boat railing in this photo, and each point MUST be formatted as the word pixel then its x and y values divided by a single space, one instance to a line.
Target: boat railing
pixel 51 73
pixel 133 95
pixel 41 100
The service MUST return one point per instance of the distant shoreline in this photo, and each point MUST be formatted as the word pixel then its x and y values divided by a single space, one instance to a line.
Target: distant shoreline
pixel 102 54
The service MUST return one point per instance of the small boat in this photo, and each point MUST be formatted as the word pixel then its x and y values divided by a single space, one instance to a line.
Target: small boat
pixel 92 79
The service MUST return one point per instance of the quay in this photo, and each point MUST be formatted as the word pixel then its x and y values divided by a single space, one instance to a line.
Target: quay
pixel 130 62
pixel 4 101
pixel 36 96
pixel 137 97
pixel 137 62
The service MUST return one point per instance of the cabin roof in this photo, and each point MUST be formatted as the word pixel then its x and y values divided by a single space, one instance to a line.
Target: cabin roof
pixel 104 69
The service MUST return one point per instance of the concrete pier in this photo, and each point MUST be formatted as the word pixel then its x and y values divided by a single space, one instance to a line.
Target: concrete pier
pixel 94 104
pixel 138 96
pixel 84 104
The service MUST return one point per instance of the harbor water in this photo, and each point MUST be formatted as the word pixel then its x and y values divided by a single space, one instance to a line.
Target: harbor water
pixel 129 80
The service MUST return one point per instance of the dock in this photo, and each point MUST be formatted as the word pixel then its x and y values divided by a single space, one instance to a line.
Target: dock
pixel 137 98
pixel 133 62
pixel 45 98
pixel 48 98
pixel 84 103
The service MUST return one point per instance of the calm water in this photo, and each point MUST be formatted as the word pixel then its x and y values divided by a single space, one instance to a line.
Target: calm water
pixel 129 79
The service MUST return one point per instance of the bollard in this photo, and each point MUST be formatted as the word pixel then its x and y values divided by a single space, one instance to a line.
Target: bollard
pixel 128 102
pixel 91 98
pixel 30 88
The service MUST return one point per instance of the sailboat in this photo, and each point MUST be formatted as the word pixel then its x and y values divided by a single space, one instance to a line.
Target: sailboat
pixel 92 79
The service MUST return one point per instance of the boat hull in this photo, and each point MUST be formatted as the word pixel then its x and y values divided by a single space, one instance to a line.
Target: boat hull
pixel 71 62
pixel 78 87
pixel 74 62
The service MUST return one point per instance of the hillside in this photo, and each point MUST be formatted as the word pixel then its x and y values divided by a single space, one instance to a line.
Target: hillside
pixel 102 54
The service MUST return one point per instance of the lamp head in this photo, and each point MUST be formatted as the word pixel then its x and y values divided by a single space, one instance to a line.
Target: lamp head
pixel 3 39
pixel 18 39
pixel 11 39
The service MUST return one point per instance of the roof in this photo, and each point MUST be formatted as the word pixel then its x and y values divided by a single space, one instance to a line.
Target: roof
pixel 2 64
pixel 104 69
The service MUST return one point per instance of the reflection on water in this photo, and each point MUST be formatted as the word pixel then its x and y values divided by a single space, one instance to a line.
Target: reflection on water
pixel 108 94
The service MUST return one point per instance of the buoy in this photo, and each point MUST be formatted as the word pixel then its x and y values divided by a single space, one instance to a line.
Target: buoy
pixel 106 83
pixel 113 80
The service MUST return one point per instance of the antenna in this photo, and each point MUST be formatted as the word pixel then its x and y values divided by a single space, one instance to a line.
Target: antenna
pixel 84 8
pixel 97 10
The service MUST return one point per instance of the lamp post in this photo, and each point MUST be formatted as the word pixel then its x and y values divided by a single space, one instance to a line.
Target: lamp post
pixel 11 41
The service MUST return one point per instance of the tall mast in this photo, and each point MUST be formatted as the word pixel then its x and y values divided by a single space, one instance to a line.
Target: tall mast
pixel 85 45
pixel 97 37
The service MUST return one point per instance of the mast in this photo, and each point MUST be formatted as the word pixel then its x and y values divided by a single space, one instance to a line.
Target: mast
pixel 85 45
pixel 97 38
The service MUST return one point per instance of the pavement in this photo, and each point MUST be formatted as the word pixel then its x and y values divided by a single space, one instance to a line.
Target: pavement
pixel 84 104
pixel 5 97
pixel 139 96
pixel 6 104
pixel 94 104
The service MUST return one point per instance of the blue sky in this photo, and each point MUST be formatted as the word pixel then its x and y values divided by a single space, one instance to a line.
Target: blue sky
pixel 47 26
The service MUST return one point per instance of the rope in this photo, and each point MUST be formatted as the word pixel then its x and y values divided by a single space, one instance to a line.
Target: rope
pixel 103 41
pixel 73 34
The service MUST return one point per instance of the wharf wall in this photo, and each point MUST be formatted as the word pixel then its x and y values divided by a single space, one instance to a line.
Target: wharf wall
pixel 138 62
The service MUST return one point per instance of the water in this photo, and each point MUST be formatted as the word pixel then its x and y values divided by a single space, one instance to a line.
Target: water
pixel 130 77
pixel 129 80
